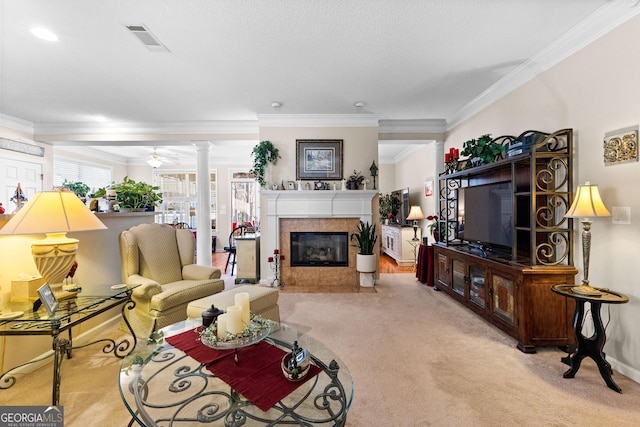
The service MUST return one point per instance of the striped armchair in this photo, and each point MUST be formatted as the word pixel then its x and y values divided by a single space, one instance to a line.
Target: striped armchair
pixel 160 258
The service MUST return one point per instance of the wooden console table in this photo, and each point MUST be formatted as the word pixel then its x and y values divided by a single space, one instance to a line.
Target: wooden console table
pixel 590 346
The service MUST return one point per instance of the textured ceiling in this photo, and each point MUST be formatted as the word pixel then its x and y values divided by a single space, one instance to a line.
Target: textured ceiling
pixel 229 60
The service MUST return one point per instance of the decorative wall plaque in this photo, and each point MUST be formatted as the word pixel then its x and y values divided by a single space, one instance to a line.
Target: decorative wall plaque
pixel 621 146
pixel 21 147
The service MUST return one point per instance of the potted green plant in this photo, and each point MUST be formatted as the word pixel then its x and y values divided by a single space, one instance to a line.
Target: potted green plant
pixel 355 181
pixel 365 239
pixel 79 188
pixel 481 151
pixel 389 206
pixel 136 196
pixel 263 154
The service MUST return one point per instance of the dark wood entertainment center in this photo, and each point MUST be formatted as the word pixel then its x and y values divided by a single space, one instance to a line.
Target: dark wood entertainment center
pixel 511 286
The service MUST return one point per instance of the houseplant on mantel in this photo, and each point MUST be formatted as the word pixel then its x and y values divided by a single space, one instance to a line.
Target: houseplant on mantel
pixel 365 240
pixel 263 154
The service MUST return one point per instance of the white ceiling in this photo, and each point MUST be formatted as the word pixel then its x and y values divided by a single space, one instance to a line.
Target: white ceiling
pixel 229 60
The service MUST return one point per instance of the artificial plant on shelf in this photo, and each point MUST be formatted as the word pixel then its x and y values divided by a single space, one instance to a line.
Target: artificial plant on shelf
pixel 389 206
pixel 263 154
pixel 134 195
pixel 481 151
pixel 80 189
pixel 355 181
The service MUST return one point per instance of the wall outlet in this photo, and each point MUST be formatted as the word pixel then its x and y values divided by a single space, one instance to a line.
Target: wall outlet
pixel 621 215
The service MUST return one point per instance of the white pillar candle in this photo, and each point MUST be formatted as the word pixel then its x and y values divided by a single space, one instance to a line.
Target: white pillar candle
pixel 222 326
pixel 234 319
pixel 242 300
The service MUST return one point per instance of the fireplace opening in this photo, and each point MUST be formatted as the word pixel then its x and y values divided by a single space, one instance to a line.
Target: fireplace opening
pixel 319 248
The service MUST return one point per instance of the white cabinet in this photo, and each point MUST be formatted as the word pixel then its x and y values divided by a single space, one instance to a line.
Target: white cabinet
pixel 396 243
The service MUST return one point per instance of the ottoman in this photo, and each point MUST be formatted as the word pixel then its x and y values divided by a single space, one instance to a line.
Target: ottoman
pixel 262 301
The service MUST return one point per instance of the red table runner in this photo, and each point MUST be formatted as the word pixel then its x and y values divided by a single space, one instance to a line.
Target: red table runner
pixel 257 376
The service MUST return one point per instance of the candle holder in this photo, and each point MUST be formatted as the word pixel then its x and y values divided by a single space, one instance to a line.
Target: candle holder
pixel 451 160
pixel 275 263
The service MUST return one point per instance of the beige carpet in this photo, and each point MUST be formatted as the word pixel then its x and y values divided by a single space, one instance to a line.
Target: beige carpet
pixel 417 357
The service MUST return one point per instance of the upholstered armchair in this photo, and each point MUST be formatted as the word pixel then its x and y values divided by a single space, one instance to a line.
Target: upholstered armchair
pixel 160 259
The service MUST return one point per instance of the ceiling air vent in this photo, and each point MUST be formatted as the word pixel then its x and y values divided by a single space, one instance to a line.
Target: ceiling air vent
pixel 146 38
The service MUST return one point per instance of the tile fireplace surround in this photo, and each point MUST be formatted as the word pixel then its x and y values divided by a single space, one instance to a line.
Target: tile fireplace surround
pixel 319 210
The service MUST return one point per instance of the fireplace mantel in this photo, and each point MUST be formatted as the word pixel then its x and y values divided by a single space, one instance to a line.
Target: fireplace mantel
pixel 312 204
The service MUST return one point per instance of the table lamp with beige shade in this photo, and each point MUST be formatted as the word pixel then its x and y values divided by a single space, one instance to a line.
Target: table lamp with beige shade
pixel 415 215
pixel 586 204
pixel 53 213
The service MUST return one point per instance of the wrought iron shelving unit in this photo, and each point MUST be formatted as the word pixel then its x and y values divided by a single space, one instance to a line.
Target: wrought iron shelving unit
pixel 542 187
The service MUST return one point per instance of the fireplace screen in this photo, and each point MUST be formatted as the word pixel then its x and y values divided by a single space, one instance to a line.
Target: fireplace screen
pixel 325 248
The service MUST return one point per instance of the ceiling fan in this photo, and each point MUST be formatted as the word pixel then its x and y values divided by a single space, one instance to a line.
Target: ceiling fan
pixel 155 160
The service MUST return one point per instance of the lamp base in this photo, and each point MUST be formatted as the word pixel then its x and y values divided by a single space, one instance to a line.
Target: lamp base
pixel 54 256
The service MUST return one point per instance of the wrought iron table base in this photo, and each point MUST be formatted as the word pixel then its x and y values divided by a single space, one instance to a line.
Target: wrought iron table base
pixel 590 346
pixel 63 346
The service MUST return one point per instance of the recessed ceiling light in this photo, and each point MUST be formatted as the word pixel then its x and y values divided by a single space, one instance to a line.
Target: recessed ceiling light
pixel 44 34
pixel 276 104
pixel 359 104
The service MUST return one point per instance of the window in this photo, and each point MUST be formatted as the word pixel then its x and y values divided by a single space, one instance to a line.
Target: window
pixel 179 197
pixel 94 175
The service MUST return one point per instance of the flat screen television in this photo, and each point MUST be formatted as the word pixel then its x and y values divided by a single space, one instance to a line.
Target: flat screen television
pixel 487 215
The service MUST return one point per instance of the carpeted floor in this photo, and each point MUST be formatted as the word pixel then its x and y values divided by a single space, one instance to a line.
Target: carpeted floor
pixel 417 358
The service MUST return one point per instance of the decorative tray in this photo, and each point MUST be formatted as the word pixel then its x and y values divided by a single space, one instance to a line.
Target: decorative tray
pixel 257 330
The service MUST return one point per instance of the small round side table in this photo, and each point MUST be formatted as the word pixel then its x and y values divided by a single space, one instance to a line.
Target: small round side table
pixel 590 346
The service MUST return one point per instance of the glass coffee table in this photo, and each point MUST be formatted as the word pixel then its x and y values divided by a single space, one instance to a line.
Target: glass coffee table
pixel 162 386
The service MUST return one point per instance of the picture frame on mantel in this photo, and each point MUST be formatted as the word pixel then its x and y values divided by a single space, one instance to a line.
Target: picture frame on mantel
pixel 319 159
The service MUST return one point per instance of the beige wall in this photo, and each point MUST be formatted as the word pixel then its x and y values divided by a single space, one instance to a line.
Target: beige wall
pixel 594 91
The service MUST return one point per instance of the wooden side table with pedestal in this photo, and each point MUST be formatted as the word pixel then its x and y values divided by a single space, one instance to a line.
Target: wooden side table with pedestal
pixel 590 346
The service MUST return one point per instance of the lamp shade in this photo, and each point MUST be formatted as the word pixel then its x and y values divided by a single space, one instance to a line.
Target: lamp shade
pixel 415 213
pixel 52 212
pixel 587 203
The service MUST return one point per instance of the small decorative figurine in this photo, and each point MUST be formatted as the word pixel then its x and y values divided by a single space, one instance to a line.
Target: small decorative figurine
pixel 18 198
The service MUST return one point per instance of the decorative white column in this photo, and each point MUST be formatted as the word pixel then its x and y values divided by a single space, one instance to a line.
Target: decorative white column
pixel 203 213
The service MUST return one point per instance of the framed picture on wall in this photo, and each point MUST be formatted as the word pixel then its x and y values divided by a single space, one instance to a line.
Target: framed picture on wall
pixel 319 159
pixel 428 187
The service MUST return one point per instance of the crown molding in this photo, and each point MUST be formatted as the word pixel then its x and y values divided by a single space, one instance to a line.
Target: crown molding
pixel 413 126
pixel 16 124
pixel 604 19
pixel 110 128
pixel 318 120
